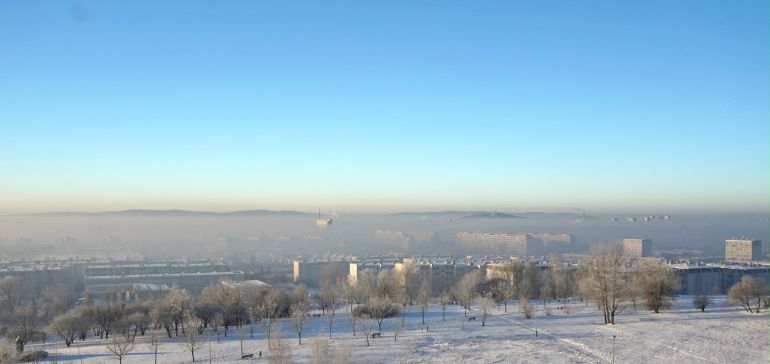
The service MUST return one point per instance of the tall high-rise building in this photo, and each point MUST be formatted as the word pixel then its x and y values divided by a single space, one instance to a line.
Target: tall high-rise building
pixel 743 250
pixel 637 248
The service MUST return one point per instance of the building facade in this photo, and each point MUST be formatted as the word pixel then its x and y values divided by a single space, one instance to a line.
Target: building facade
pixel 637 248
pixel 311 272
pixel 743 250
pixel 715 278
pixel 517 244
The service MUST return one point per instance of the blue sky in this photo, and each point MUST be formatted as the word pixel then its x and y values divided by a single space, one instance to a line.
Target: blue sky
pixel 385 105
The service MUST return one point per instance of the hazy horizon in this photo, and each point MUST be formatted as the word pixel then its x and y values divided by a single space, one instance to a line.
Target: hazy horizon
pixel 395 210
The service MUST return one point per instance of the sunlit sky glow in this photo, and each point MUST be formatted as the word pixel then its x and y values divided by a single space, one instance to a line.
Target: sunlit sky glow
pixel 385 105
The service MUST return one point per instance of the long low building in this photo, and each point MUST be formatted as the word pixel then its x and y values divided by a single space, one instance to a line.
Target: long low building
pixel 715 279
pixel 518 244
pixel 98 286
pixel 128 277
pixel 37 276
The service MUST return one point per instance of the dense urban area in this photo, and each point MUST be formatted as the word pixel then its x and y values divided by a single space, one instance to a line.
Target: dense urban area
pixel 137 309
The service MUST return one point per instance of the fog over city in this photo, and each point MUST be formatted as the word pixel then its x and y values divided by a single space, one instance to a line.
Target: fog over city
pixel 169 234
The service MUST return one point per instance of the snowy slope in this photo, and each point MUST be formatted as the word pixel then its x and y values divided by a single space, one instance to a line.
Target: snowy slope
pixel 723 334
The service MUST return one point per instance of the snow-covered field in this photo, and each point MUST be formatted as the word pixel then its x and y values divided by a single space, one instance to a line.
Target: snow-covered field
pixel 723 334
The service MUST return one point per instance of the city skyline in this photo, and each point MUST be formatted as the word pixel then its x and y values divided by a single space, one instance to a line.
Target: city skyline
pixel 382 107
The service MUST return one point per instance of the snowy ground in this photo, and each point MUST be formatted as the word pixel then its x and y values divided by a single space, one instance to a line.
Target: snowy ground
pixel 723 334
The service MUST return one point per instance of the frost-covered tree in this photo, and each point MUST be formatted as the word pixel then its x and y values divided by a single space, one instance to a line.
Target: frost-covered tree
pixel 485 304
pixel 749 293
pixel 656 284
pixel 465 289
pixel 120 346
pixel 423 297
pixel 66 327
pixel 604 280
pixel 300 308
pixel 153 345
pixel 23 326
pixel 701 301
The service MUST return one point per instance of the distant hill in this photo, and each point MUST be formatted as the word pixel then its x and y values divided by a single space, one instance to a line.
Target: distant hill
pixel 438 213
pixel 174 213
pixel 490 215
pixel 495 215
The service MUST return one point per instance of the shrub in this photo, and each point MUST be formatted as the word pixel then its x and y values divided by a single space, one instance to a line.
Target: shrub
pixel 33 356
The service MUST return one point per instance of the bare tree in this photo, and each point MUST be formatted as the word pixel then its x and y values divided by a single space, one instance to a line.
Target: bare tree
pixel 11 293
pixel 749 292
pixel 701 301
pixel 82 318
pixel 328 284
pixel 56 300
pixel 280 352
pixel 120 346
pixel 513 272
pixel 191 340
pixel 154 345
pixel 241 337
pixel 207 313
pixel 423 297
pixel 562 281
pixel 408 278
pixel 396 331
pixel 466 289
pixel 366 327
pixel 23 326
pixel 65 327
pixel 446 299
pixel 172 311
pixel 349 292
pixel 107 316
pixel 329 296
pixel 320 351
pixel 501 291
pixel 526 309
pixel 603 280
pixel 341 354
pixel 266 311
pixel 352 320
pixel 300 308
pixel 162 317
pixel 366 286
pixel 388 285
pixel 656 284
pixel 379 308
pixel 485 304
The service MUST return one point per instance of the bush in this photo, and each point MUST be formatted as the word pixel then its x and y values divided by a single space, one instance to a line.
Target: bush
pixel 364 311
pixel 526 309
pixel 702 301
pixel 7 353
pixel 33 356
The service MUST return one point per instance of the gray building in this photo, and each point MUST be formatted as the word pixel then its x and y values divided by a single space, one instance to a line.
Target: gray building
pixel 311 272
pixel 37 275
pixel 715 279
pixel 132 276
pixel 743 250
pixel 637 248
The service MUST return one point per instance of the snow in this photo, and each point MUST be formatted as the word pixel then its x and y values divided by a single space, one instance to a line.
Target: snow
pixel 723 334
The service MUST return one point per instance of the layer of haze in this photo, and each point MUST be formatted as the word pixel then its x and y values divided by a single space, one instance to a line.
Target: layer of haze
pixel 385 106
pixel 176 235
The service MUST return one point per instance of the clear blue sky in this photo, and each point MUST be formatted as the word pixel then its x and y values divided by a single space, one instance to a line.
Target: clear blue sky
pixel 653 106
